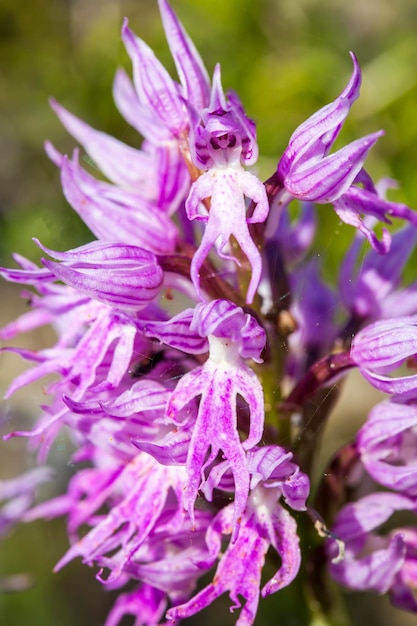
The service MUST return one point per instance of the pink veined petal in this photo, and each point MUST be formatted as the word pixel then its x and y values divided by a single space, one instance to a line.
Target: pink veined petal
pixel 389 428
pixel 173 178
pixel 115 215
pixel 313 138
pixel 139 116
pixel 380 348
pixel 143 396
pixel 349 216
pixel 153 84
pixel 364 201
pixel 327 179
pixel 177 333
pixel 190 67
pixel 123 165
pixel 116 274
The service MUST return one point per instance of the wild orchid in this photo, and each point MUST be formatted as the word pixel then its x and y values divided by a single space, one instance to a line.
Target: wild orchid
pixel 195 423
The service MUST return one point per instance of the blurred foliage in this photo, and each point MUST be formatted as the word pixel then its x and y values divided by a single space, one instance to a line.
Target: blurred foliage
pixel 285 58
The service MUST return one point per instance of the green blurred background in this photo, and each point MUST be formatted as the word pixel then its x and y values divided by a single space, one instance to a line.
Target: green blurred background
pixel 286 58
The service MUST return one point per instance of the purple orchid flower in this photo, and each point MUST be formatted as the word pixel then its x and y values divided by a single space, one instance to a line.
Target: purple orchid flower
pixel 380 348
pixel 371 291
pixel 264 523
pixel 218 382
pixel 371 562
pixel 308 172
pixel 386 444
pixel 126 527
pixel 195 345
pixel 119 275
pixel 224 140
pixel 306 168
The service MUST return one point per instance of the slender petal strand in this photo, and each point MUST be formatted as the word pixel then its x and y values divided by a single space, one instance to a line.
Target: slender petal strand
pixel 122 164
pixel 357 202
pixel 19 494
pixel 193 75
pixel 146 603
pixel 154 86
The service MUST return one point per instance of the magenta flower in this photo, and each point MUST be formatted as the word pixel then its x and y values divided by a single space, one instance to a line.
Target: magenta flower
pixel 371 292
pixel 231 336
pixel 265 523
pixel 306 168
pixel 386 444
pixel 308 172
pixel 225 140
pixel 199 352
pixel 381 348
pixel 122 276
pixel 373 562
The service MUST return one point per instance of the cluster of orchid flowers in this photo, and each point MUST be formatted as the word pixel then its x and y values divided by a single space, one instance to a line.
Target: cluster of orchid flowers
pixel 176 413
